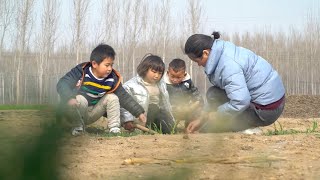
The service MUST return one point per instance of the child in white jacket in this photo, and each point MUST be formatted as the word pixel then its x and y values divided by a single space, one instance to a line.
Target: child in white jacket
pixel 150 91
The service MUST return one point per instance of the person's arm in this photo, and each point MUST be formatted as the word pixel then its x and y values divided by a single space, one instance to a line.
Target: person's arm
pixel 66 86
pixel 197 124
pixel 128 103
pixel 129 109
pixel 238 94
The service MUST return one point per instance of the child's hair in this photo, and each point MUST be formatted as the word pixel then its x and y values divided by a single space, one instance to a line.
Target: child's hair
pixel 101 52
pixel 150 61
pixel 177 65
pixel 198 42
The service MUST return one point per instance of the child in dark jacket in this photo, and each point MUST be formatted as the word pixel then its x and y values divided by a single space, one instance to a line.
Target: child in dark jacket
pixel 182 92
pixel 93 89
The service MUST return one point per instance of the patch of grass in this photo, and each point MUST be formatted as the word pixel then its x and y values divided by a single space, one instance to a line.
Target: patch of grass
pixel 121 134
pixel 156 128
pixel 313 128
pixel 103 133
pixel 177 128
pixel 280 131
pixel 24 107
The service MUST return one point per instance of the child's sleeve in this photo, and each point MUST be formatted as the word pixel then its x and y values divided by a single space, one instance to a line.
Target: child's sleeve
pixel 127 102
pixel 125 116
pixel 66 85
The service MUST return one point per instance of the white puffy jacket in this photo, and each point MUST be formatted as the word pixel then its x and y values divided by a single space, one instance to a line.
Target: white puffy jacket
pixel 139 92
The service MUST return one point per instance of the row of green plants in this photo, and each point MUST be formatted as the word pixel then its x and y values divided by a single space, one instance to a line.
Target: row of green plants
pixel 24 107
pixel 40 159
pixel 277 130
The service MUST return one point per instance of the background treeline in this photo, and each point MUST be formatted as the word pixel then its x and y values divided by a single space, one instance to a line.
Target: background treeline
pixel 36 49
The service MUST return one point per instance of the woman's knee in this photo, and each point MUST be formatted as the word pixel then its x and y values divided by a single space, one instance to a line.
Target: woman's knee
pixel 268 117
pixel 266 121
pixel 216 96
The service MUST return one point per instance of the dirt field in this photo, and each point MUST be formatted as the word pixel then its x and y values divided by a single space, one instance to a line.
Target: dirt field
pixel 196 156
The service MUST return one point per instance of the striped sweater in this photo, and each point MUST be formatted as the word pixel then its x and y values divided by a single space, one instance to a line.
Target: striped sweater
pixel 93 88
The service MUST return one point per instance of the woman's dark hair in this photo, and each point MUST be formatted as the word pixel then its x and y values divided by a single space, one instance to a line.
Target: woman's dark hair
pixel 198 42
pixel 150 61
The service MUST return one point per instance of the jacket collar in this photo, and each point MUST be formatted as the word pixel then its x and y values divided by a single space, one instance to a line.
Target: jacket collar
pixel 214 56
pixel 116 75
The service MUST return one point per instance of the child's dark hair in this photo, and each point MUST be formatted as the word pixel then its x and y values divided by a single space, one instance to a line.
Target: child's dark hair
pixel 177 65
pixel 150 61
pixel 198 42
pixel 101 52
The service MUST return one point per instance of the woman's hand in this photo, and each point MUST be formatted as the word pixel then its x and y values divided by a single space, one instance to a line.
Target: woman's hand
pixel 193 126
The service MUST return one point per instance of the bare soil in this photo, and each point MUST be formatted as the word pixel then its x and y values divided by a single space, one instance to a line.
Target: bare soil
pixel 196 156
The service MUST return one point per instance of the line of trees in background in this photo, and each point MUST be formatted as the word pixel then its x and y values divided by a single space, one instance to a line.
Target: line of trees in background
pixel 33 59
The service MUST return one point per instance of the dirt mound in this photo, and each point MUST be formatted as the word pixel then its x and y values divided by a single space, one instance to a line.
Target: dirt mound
pixel 302 106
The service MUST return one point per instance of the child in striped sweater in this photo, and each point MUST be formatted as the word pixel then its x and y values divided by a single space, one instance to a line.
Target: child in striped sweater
pixel 93 89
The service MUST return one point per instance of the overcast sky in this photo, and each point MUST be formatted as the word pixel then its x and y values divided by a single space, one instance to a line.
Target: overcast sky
pixel 241 15
pixel 226 16
pixel 251 15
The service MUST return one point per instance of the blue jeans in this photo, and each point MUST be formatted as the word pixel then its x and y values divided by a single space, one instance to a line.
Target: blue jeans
pixel 250 118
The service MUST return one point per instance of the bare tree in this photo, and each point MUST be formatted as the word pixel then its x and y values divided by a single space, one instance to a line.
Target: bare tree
pixel 152 29
pixel 79 26
pixel 110 11
pixel 132 25
pixel 164 27
pixel 236 38
pixel 194 12
pixel 7 8
pixel 125 26
pixel 158 32
pixel 136 26
pixel 24 21
pixel 46 39
pixel 312 44
pixel 106 22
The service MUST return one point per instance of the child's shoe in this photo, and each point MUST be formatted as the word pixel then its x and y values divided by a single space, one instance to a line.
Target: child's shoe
pixel 255 130
pixel 77 131
pixel 115 130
